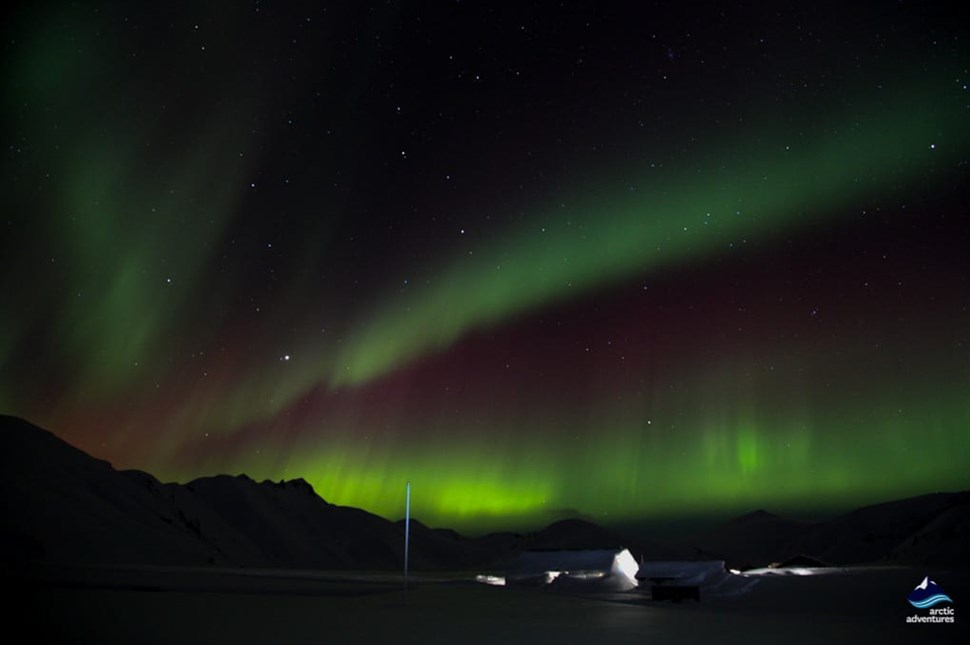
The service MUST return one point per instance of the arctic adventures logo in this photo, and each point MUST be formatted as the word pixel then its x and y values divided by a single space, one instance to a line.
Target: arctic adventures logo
pixel 927 595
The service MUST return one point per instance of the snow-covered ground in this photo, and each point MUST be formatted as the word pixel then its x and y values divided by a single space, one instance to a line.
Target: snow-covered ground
pixel 199 606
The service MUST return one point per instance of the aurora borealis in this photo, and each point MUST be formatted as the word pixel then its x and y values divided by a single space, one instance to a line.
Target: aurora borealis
pixel 623 263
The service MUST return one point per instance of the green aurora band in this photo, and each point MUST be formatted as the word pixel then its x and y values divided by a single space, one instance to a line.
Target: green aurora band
pixel 729 452
pixel 770 183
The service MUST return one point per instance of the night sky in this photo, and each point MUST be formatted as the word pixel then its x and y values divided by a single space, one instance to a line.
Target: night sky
pixel 622 261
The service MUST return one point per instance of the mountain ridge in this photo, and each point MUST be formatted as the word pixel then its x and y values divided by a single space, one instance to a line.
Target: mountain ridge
pixel 60 505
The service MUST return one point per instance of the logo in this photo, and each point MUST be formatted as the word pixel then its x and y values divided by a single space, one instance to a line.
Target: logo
pixel 927 595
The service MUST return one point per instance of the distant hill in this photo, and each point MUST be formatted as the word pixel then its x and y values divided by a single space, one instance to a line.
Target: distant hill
pixel 917 530
pixel 926 530
pixel 59 505
pixel 751 540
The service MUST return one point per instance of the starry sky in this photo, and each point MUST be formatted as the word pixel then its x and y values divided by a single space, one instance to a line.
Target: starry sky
pixel 621 261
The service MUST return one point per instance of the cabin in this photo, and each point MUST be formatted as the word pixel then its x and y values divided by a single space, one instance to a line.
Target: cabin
pixel 603 569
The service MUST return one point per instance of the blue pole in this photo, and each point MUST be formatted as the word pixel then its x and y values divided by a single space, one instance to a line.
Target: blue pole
pixel 407 531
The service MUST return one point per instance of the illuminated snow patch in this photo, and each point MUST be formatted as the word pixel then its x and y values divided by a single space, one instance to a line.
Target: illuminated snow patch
pixel 497 581
pixel 625 565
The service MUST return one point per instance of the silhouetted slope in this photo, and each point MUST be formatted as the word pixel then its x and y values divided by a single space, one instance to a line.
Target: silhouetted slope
pixel 61 505
pixel 944 540
pixel 754 539
pixel 873 533
pixel 929 529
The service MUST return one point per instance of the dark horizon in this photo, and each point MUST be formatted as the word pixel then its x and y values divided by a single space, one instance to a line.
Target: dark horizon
pixel 673 529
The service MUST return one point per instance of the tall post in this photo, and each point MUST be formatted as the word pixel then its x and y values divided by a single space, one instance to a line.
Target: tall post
pixel 407 534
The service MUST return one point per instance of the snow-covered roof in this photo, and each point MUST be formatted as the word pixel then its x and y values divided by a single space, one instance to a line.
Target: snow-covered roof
pixel 573 560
